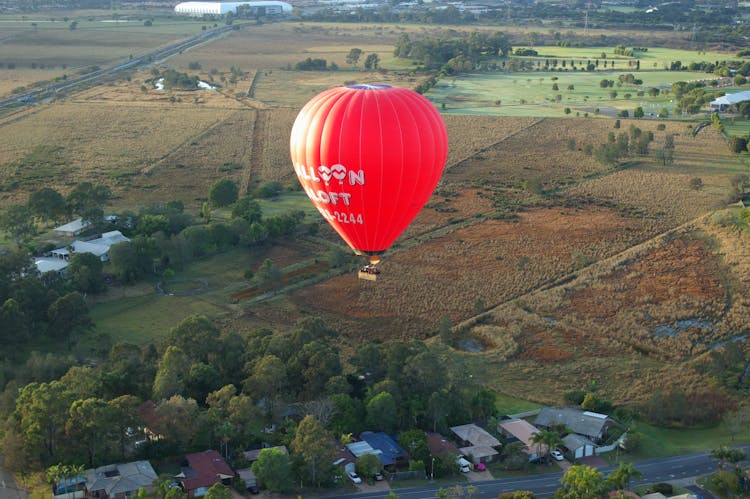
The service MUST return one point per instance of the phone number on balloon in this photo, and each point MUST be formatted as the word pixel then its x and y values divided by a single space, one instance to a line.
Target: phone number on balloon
pixel 343 218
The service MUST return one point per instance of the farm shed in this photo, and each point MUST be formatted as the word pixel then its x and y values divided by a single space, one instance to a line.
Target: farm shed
pixel 578 446
pixel 591 425
pixel 73 228
pixel 268 7
pixel 726 102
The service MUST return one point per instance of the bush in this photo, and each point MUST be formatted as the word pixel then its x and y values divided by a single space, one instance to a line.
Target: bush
pixel 663 488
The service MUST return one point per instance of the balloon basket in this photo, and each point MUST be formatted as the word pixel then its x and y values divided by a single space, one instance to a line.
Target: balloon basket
pixel 369 273
pixel 365 276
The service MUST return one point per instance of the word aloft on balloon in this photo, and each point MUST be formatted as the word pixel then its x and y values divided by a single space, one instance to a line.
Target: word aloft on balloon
pixel 324 174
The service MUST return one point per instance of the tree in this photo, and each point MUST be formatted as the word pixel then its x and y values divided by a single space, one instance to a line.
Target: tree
pixel 446 334
pixel 268 378
pixel 248 209
pixel 16 221
pixel 89 427
pixel 222 193
pixel 315 447
pixel 148 224
pixel 268 277
pixel 638 112
pixel 68 316
pixel 726 455
pixel 549 438
pixel 177 421
pixel 86 270
pixel 353 56
pixel 372 62
pixel 739 183
pixel 47 203
pixel 197 337
pixel 621 477
pixel 171 374
pixel 581 481
pixel 382 413
pixel 696 183
pixel 41 412
pixel 218 491
pixel 273 469
pixel 368 465
pixel 415 443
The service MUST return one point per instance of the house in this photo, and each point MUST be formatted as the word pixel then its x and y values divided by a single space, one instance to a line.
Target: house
pixel 72 229
pixel 476 443
pixel 118 481
pixel 202 470
pixel 729 101
pixel 248 478
pixel 388 451
pixel 58 258
pixel 520 430
pixel 438 444
pixel 591 425
pixel 578 446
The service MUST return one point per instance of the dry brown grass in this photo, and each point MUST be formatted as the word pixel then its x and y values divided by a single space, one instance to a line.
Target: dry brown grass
pixel 493 261
pixel 665 190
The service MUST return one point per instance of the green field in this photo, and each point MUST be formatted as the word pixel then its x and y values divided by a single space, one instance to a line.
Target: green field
pixel 150 316
pixel 736 126
pixel 289 201
pixel 531 94
pixel 653 58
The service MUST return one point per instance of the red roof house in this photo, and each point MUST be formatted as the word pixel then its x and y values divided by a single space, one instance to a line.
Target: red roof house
pixel 202 471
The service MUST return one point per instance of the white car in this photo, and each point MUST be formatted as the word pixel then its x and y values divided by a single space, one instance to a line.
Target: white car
pixel 557 455
pixel 353 477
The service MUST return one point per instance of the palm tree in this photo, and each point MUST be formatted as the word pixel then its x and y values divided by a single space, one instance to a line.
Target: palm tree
pixel 549 438
pixel 620 478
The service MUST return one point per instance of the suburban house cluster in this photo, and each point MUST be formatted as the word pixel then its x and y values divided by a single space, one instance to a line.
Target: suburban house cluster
pixel 58 259
pixel 469 443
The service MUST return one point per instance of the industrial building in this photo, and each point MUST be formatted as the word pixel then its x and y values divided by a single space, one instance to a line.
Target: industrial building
pixel 264 8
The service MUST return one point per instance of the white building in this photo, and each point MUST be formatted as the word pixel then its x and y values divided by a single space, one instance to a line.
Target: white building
pixel 60 257
pixel 267 7
pixel 725 102
pixel 73 228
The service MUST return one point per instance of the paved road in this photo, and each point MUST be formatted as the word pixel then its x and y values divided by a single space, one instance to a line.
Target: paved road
pixel 669 469
pixel 156 55
pixel 8 487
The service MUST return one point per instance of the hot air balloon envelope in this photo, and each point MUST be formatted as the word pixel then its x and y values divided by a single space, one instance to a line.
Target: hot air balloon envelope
pixel 369 157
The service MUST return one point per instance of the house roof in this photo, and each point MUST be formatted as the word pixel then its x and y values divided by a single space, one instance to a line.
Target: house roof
pixel 73 227
pixel 524 432
pixel 438 444
pixel 655 495
pixel 581 422
pixel 361 448
pixel 252 455
pixel 475 435
pixel 390 451
pixel 100 245
pixel 573 441
pixel 478 451
pixel 50 264
pixel 121 478
pixel 247 476
pixel 204 469
pixel 730 99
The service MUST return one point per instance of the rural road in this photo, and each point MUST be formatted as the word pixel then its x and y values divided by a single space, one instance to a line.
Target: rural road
pixel 8 487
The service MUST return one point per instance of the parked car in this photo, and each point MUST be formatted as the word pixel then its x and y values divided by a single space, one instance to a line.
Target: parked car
pixel 353 477
pixel 378 476
pixel 557 455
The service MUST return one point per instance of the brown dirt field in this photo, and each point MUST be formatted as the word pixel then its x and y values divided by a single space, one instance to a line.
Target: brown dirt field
pixel 493 261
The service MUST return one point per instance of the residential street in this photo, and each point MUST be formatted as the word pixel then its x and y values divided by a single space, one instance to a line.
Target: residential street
pixel 680 469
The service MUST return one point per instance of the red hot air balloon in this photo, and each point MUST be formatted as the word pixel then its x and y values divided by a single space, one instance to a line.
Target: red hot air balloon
pixel 369 157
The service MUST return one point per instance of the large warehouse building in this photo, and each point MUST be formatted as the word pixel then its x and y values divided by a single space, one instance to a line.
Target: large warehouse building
pixel 265 7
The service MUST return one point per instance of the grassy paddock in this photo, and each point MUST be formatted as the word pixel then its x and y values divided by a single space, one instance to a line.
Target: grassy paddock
pixel 659 442
pixel 289 201
pixel 736 126
pixel 531 94
pixel 507 404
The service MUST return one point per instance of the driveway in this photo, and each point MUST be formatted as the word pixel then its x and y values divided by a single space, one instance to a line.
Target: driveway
pixel 8 486
pixel 478 476
pixel 376 486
